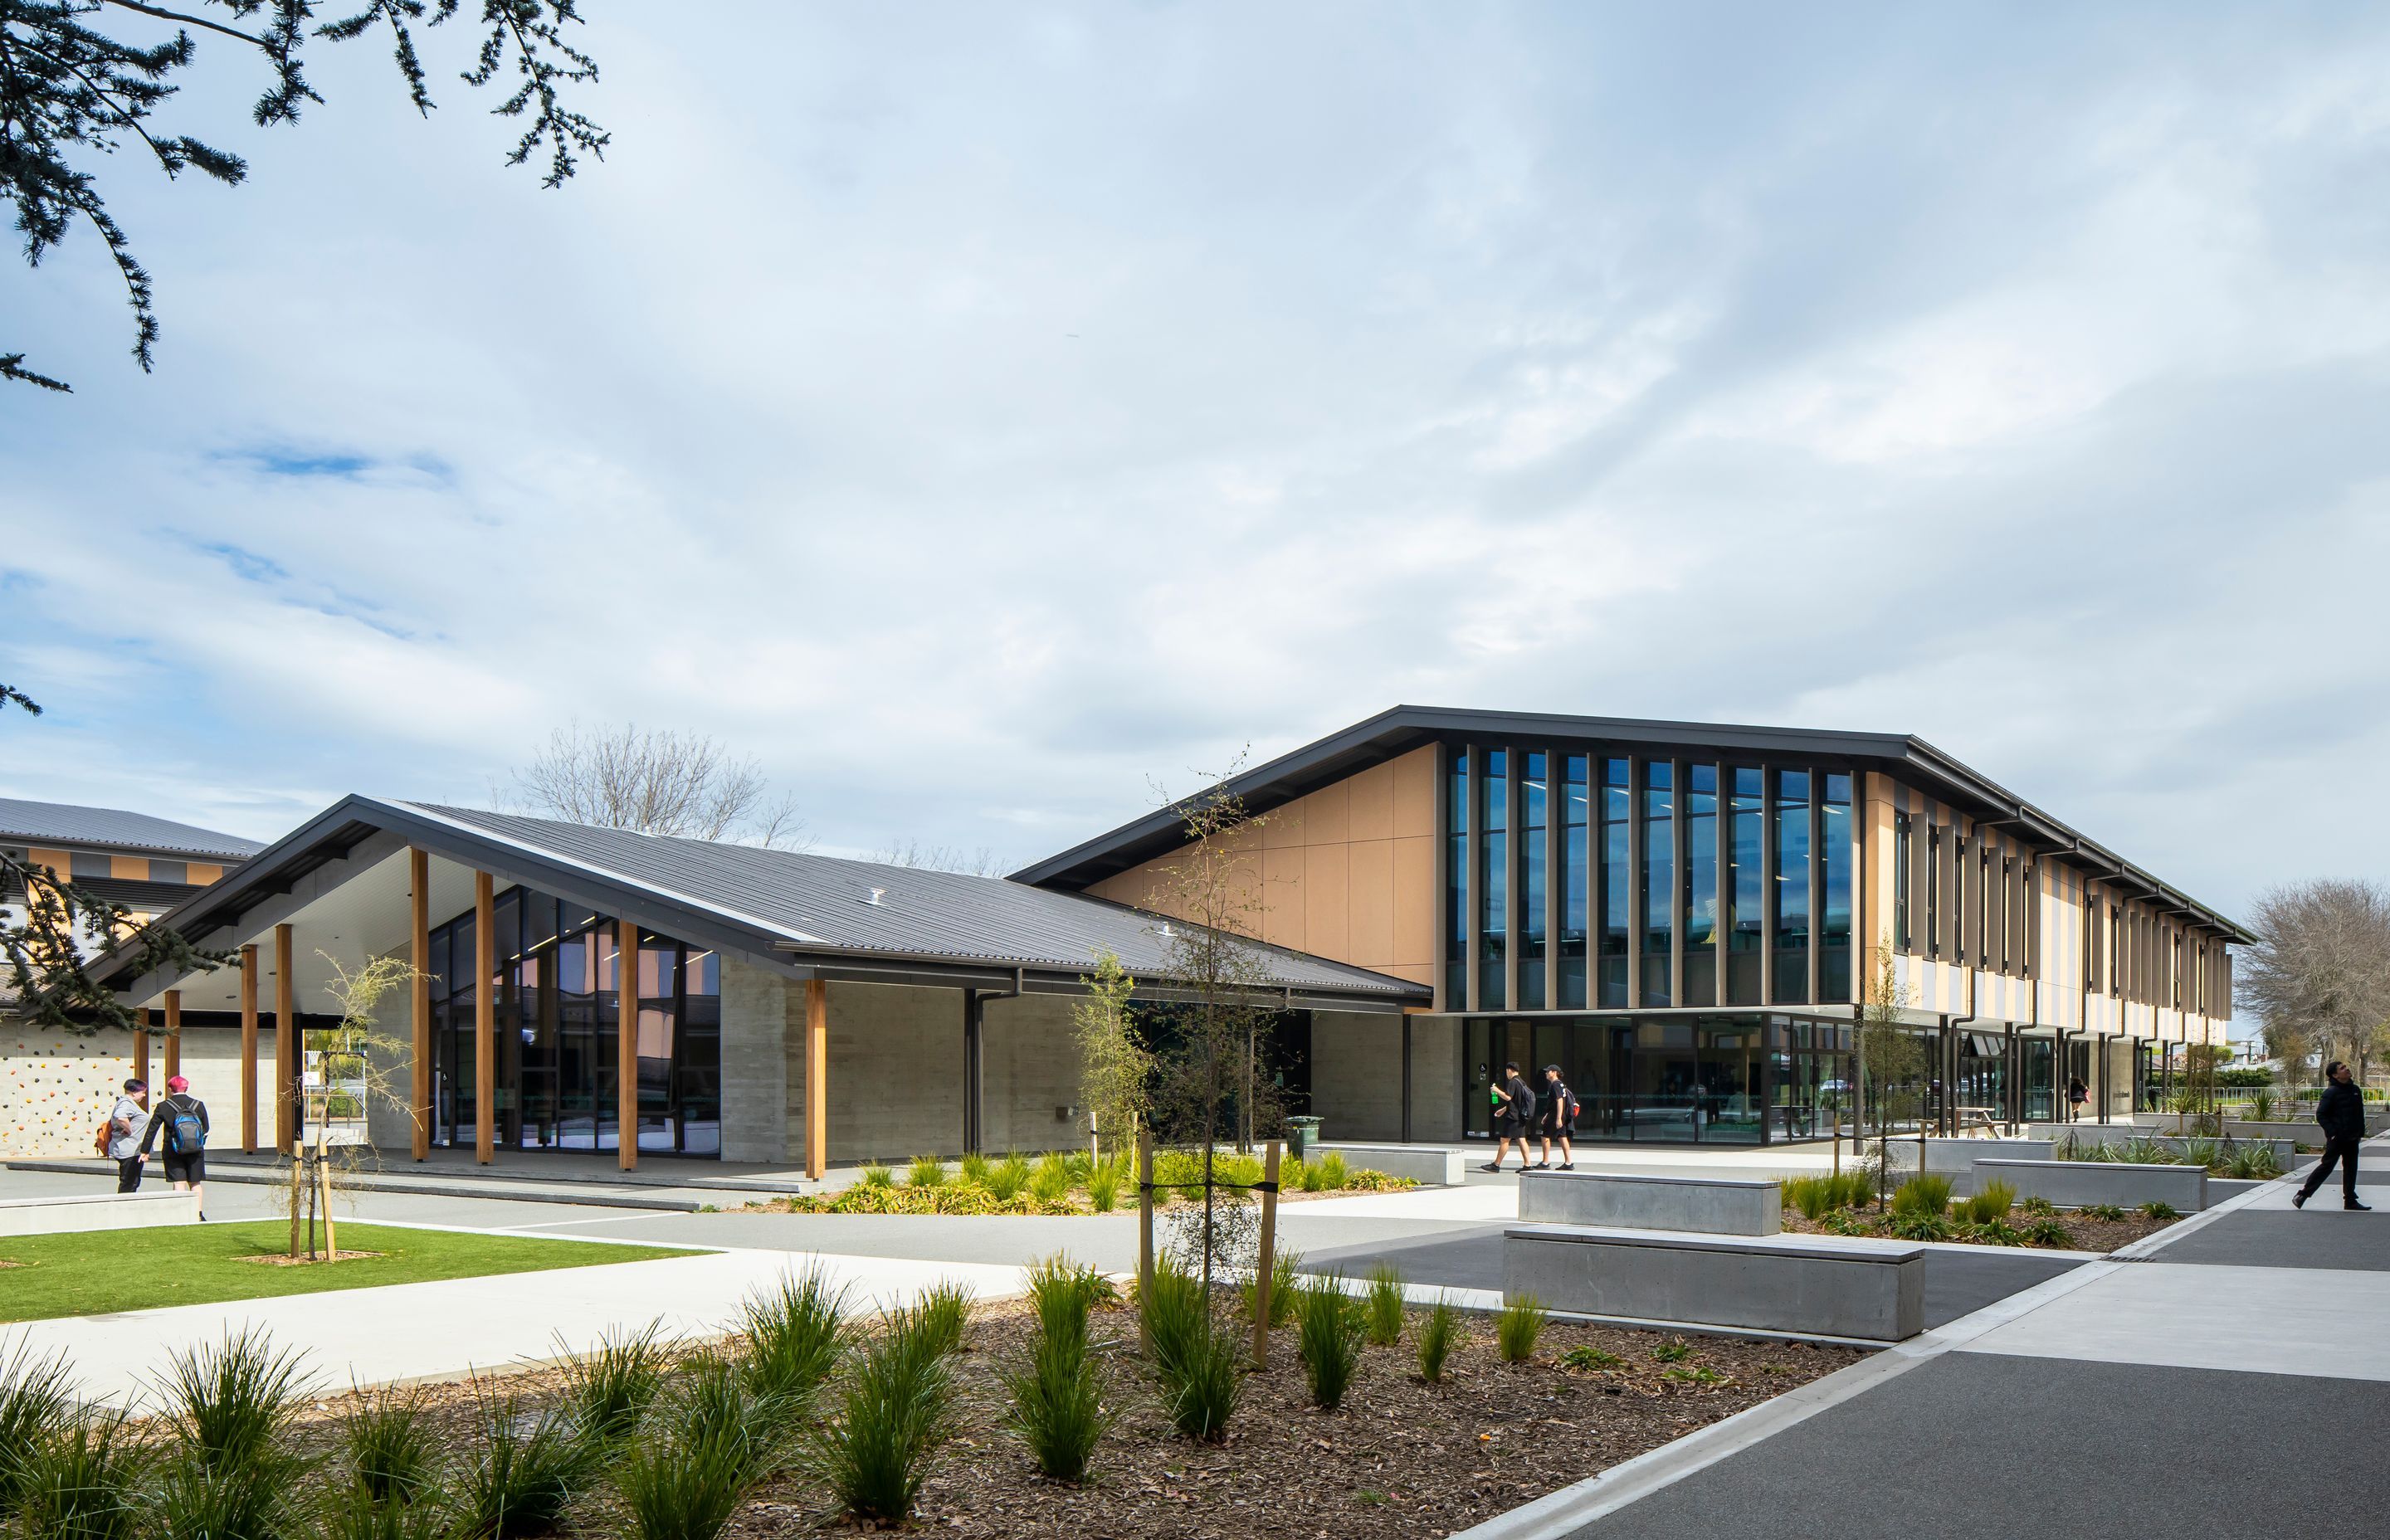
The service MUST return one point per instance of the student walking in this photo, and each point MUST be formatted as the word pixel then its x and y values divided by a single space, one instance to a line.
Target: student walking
pixel 183 1118
pixel 2077 1095
pixel 2341 1111
pixel 121 1136
pixel 1515 1116
pixel 1559 1120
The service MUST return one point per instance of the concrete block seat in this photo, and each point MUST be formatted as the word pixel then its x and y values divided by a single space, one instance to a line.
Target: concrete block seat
pixel 1824 1286
pixel 1711 1205
pixel 2078 1183
pixel 1428 1165
pixel 109 1211
pixel 1958 1156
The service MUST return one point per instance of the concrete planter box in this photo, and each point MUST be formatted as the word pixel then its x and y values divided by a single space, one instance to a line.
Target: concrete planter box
pixel 2308 1132
pixel 2076 1183
pixel 1958 1156
pixel 109 1210
pixel 1424 1164
pixel 2176 1144
pixel 1709 1205
pixel 1814 1285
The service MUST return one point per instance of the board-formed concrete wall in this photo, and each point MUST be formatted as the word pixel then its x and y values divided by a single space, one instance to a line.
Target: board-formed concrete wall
pixel 1356 1074
pixel 2076 1183
pixel 56 1087
pixel 1435 1079
pixel 756 1003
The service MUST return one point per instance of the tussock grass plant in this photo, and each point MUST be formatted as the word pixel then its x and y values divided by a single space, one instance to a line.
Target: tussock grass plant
pixel 338 1519
pixel 2100 1211
pixel 82 1481
pixel 871 1174
pixel 2157 1207
pixel 1305 1175
pixel 1334 1175
pixel 389 1444
pixel 973 1168
pixel 940 1316
pixel 899 1407
pixel 249 1499
pixel 1812 1196
pixel 1009 1177
pixel 1327 1339
pixel 233 1402
pixel 1437 1330
pixel 1522 1321
pixel 1199 1366
pixel 1057 1407
pixel 36 1399
pixel 1051 1179
pixel 1105 1179
pixel 2047 1232
pixel 1385 1305
pixel 1063 1293
pixel 611 1389
pixel 1286 1278
pixel 1924 1195
pixel 927 1171
pixel 1991 1204
pixel 795 1334
pixel 705 1446
pixel 525 1474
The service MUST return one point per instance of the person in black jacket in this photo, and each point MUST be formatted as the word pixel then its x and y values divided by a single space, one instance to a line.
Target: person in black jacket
pixel 1517 1117
pixel 2341 1111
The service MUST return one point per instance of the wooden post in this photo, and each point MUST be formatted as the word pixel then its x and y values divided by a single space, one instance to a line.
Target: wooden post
pixel 141 1048
pixel 298 1199
pixel 626 1045
pixel 323 1196
pixel 287 1069
pixel 249 1050
pixel 173 1033
pixel 817 1078
pixel 1144 1236
pixel 1266 1259
pixel 419 1100
pixel 485 1020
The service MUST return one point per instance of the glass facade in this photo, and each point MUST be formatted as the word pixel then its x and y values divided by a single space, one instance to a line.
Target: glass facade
pixel 1699 1078
pixel 1746 887
pixel 1788 922
pixel 556 982
pixel 1617 897
pixel 1834 875
pixel 1701 896
pixel 1494 882
pixel 1575 892
pixel 1535 862
pixel 1659 886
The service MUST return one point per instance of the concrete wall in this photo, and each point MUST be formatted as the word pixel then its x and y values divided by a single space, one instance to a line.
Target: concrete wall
pixel 756 1003
pixel 153 1206
pixel 1030 1073
pixel 1435 1079
pixel 55 1087
pixel 1356 1074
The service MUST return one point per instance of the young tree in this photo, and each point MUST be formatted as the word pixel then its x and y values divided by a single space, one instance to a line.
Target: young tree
pixel 43 953
pixel 657 781
pixel 1891 1058
pixel 1114 1063
pixel 356 1068
pixel 81 78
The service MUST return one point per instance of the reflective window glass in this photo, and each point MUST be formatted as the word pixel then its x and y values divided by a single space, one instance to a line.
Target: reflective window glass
pixel 1494 876
pixel 1746 887
pixel 1791 899
pixel 1701 903
pixel 1835 874
pixel 1659 880
pixel 1617 885
pixel 1535 854
pixel 1576 806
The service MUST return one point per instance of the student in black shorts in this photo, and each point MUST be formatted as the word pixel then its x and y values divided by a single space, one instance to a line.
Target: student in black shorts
pixel 183 1118
pixel 1556 1120
pixel 1516 1117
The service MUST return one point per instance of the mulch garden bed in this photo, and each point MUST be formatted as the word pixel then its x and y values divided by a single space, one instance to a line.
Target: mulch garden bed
pixel 1401 1460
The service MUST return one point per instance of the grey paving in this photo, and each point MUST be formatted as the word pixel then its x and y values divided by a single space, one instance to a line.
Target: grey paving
pixel 1956 1282
pixel 1981 1447
pixel 2322 1235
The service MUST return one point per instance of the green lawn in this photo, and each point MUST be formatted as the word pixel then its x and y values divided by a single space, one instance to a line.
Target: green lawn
pixel 112 1270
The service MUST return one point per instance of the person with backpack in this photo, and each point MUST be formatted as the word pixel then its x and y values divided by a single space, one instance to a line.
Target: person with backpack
pixel 1559 1120
pixel 183 1118
pixel 120 1137
pixel 2341 1111
pixel 1517 1116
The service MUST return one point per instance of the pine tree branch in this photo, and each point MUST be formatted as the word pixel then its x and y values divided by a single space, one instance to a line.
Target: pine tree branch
pixel 164 15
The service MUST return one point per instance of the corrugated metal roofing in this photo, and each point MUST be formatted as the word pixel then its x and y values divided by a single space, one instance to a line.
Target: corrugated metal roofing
pixel 827 901
pixel 65 824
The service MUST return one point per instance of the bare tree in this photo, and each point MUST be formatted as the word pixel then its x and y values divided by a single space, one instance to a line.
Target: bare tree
pixel 1114 1063
pixel 978 862
pixel 658 781
pixel 2318 979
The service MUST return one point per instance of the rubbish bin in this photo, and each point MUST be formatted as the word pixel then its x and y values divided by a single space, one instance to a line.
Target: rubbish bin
pixel 1301 1136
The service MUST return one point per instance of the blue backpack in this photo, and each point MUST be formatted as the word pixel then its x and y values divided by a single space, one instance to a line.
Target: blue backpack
pixel 185 1134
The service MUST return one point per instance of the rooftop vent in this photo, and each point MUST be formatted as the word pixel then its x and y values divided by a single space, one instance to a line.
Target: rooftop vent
pixel 879 899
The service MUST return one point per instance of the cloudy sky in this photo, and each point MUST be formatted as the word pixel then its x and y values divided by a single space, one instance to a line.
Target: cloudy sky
pixel 982 414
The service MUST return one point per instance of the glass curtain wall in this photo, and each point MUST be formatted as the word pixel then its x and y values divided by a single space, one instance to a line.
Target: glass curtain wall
pixel 1834 879
pixel 557 1016
pixel 1494 882
pixel 1659 885
pixel 1792 911
pixel 1534 860
pixel 1456 891
pixel 1575 807
pixel 1746 888
pixel 1617 887
pixel 1701 899
pixel 1731 1078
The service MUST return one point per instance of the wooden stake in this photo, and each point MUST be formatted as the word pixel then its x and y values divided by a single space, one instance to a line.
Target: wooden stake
pixel 298 1199
pixel 324 1188
pixel 1144 1236
pixel 1266 1259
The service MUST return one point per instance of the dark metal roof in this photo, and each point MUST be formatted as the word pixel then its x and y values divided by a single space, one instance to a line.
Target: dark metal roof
pixel 810 911
pixel 1403 728
pixel 115 829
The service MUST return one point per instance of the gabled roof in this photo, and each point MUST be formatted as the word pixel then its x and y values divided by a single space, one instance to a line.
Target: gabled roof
pixel 114 828
pixel 1393 733
pixel 846 918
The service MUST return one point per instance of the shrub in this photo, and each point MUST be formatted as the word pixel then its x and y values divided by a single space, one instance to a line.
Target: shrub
pixel 1333 1175
pixel 1993 1203
pixel 391 1454
pixel 1385 1305
pixel 1436 1331
pixel 1998 1232
pixel 927 1171
pixel 899 1409
pixel 1051 1181
pixel 1009 1177
pixel 708 1443
pixel 611 1389
pixel 2100 1211
pixel 1922 1196
pixel 2038 1205
pixel 2143 1152
pixel 796 1334
pixel 2159 1208
pixel 2253 1162
pixel 974 1168
pixel 1672 1352
pixel 1516 1329
pixel 1327 1339
pixel 1590 1358
pixel 1105 1180
pixel 522 1477
pixel 1286 1265
pixel 82 1481
pixel 871 1174
pixel 1919 1226
pixel 1057 1400
pixel 36 1400
pixel 232 1402
pixel 2047 1232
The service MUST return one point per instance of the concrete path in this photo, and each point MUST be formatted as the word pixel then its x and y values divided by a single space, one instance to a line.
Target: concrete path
pixel 2230 1372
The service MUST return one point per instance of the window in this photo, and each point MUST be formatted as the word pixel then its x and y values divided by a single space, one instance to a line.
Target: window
pixel 1617 879
pixel 1933 890
pixel 170 871
pixel 1659 880
pixel 1535 854
pixel 1494 884
pixel 1575 807
pixel 82 864
pixel 2090 941
pixel 1834 878
pixel 1456 889
pixel 1901 869
pixel 1988 906
pixel 1700 907
pixel 1791 902
pixel 1958 897
pixel 1747 887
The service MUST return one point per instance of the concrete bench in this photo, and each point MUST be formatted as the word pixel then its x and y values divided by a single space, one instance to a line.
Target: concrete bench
pixel 100 1210
pixel 1958 1156
pixel 2077 1183
pixel 1421 1163
pixel 1708 1204
pixel 1823 1285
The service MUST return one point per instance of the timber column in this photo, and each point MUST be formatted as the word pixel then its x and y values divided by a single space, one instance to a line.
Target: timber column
pixel 173 1033
pixel 817 1078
